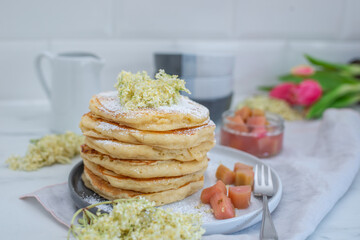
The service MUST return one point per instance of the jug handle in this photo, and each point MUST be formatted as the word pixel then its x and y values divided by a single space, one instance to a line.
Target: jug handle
pixel 40 72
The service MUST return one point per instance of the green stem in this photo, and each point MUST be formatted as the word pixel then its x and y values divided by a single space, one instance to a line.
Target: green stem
pixel 327 65
pixel 346 101
pixel 328 99
pixel 71 229
pixel 266 88
pixel 89 215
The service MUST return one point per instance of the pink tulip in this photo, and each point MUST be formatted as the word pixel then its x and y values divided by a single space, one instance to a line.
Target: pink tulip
pixel 302 70
pixel 307 92
pixel 284 91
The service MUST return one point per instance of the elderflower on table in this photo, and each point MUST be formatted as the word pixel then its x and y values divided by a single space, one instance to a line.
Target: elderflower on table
pixel 47 151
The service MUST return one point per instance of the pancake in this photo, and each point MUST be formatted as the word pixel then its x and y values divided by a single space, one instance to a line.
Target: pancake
pixel 144 185
pixel 185 114
pixel 104 189
pixel 122 150
pixel 143 168
pixel 96 127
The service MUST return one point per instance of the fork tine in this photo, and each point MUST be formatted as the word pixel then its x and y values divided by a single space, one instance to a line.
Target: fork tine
pixel 270 183
pixel 256 179
pixel 262 175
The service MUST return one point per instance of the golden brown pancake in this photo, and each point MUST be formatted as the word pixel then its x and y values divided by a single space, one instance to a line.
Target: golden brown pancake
pixel 144 185
pixel 185 114
pixel 156 153
pixel 143 168
pixel 122 150
pixel 96 127
pixel 104 189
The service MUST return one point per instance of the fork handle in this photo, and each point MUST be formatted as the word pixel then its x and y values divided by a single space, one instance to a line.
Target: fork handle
pixel 267 226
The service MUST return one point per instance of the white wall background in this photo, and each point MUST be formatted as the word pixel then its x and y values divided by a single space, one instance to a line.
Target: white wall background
pixel 267 36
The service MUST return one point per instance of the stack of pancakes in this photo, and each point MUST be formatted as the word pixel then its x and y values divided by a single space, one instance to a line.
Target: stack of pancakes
pixel 157 153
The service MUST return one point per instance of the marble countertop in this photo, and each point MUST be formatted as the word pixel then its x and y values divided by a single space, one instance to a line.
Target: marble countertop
pixel 21 121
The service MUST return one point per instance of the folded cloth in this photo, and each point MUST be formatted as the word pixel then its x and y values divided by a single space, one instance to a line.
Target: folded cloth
pixel 56 200
pixel 317 166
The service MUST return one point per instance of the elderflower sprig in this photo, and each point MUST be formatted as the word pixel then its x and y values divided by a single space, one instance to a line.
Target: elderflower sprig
pixel 46 151
pixel 135 218
pixel 140 91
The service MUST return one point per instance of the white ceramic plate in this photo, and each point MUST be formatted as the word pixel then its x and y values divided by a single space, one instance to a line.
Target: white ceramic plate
pixel 83 196
pixel 244 218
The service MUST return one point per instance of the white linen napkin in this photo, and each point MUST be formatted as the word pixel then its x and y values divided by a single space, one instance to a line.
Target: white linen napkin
pixel 317 166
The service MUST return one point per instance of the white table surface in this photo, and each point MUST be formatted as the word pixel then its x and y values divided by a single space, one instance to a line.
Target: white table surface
pixel 26 219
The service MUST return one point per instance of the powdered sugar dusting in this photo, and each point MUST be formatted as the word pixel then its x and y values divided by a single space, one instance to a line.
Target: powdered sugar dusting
pixel 94 199
pixel 192 205
pixel 191 131
pixel 111 102
pixel 107 126
pixel 106 142
pixel 186 106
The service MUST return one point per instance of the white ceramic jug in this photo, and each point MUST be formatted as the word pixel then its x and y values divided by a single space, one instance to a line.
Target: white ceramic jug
pixel 75 77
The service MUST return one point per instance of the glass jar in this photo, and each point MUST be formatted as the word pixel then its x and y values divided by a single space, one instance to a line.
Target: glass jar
pixel 259 140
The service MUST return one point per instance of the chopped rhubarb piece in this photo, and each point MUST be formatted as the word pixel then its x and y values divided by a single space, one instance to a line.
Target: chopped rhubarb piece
pixel 259 131
pixel 257 112
pixel 239 127
pixel 244 177
pixel 235 119
pixel 258 125
pixel 240 196
pixel 237 123
pixel 232 140
pixel 222 206
pixel 225 174
pixel 240 165
pixel 256 121
pixel 207 193
pixel 244 112
pixel 270 145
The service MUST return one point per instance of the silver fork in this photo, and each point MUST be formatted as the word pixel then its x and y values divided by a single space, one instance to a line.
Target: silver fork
pixel 264 187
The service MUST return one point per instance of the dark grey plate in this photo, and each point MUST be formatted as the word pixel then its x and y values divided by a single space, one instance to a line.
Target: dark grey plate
pixel 81 195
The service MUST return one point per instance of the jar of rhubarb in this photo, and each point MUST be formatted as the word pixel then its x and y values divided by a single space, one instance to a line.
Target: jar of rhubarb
pixel 253 131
